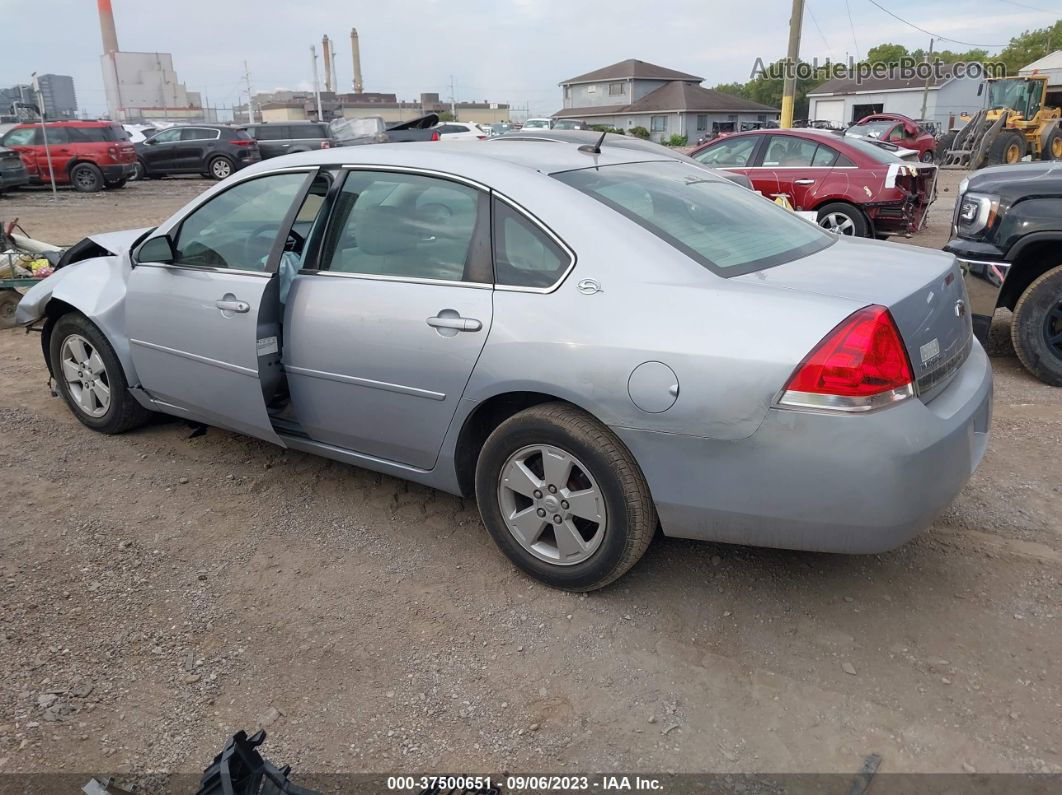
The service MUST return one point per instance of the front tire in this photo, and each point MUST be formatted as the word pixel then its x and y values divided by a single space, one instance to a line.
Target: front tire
pixel 1036 329
pixel 220 168
pixel 8 304
pixel 86 178
pixel 90 377
pixel 1008 148
pixel 563 498
pixel 843 219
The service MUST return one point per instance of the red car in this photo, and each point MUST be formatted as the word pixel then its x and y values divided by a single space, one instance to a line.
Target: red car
pixel 90 155
pixel 854 187
pixel 896 129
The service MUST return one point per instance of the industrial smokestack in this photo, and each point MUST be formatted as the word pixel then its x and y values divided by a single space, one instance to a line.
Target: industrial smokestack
pixel 355 52
pixel 110 36
pixel 326 50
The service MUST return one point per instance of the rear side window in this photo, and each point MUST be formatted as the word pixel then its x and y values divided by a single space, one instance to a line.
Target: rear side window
pixel 726 228
pixel 242 135
pixel 304 131
pixel 524 255
pixel 270 132
pixel 57 135
pixel 789 151
pixel 93 135
pixel 198 134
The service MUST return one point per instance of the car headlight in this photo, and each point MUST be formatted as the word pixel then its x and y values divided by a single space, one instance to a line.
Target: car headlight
pixel 977 212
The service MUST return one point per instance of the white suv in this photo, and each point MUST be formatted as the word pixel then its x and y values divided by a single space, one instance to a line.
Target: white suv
pixel 461 131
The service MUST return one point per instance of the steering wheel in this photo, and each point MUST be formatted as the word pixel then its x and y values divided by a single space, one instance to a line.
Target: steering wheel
pixel 253 254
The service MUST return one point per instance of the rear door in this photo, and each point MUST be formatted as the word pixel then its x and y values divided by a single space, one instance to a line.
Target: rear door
pixel 192 149
pixel 203 325
pixel 796 168
pixel 382 336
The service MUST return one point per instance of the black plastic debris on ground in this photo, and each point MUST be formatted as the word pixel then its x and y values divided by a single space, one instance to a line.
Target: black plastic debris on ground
pixel 241 770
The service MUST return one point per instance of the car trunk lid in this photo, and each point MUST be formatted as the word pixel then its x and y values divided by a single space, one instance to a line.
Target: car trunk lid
pixel 923 290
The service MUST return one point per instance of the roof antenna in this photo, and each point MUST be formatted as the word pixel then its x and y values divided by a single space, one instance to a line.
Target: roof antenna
pixel 594 149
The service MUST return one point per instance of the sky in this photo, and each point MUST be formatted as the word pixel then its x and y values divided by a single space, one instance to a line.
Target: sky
pixel 514 51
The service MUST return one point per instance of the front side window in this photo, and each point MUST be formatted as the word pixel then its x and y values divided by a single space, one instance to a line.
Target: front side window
pixel 168 136
pixel 726 228
pixel 729 153
pixel 524 255
pixel 408 226
pixel 237 228
pixel 658 124
pixel 20 137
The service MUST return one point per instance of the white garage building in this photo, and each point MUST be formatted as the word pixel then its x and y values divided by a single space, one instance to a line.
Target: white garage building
pixel 846 100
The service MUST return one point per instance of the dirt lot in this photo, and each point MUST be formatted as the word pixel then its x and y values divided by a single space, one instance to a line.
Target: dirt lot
pixel 160 591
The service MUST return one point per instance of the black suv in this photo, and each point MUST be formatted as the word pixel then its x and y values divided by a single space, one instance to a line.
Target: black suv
pixel 1008 238
pixel 285 137
pixel 213 150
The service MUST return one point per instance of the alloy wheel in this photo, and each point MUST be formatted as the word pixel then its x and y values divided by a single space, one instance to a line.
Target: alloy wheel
pixel 1013 154
pixel 1053 330
pixel 552 504
pixel 85 178
pixel 838 223
pixel 221 168
pixel 85 376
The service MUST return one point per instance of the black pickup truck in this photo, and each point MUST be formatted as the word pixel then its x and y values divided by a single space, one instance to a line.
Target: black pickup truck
pixel 1007 235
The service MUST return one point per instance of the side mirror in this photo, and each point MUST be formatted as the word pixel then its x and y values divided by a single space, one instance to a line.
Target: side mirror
pixel 157 249
pixel 150 142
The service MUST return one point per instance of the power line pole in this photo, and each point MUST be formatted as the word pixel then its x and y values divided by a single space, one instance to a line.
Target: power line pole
pixel 250 93
pixel 453 102
pixel 316 84
pixel 792 58
pixel 925 88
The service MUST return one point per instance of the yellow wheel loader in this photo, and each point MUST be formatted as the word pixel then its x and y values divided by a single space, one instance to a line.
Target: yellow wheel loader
pixel 1016 121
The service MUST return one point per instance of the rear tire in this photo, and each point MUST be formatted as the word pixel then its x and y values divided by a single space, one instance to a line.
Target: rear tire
pixel 611 508
pixel 139 171
pixel 843 219
pixel 220 168
pixel 1008 148
pixel 1052 146
pixel 1036 329
pixel 90 377
pixel 86 178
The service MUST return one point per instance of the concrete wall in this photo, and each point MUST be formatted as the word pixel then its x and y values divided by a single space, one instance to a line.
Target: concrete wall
pixel 136 81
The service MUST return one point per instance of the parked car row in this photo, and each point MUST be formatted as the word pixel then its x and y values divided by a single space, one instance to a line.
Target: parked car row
pixel 89 155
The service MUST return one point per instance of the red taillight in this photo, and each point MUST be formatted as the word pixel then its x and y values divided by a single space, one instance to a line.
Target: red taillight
pixel 435 136
pixel 482 137
pixel 860 365
pixel 326 144
pixel 243 142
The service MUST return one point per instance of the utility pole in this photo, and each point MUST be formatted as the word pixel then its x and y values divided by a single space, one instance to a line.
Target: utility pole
pixel 316 84
pixel 925 89
pixel 453 101
pixel 44 132
pixel 250 93
pixel 792 58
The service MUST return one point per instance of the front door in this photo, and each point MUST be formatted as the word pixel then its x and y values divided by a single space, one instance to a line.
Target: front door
pixel 203 323
pixel 158 151
pixel 381 338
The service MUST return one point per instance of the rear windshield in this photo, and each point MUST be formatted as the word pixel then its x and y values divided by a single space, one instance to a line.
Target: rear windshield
pixel 872 129
pixel 726 228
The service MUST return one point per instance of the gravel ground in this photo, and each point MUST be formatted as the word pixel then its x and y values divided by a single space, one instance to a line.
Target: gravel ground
pixel 160 591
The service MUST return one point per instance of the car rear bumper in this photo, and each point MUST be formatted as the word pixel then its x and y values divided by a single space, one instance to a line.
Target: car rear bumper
pixel 117 171
pixel 13 177
pixel 816 481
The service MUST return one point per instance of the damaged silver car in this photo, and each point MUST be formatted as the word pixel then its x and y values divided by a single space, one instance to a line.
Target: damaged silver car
pixel 592 340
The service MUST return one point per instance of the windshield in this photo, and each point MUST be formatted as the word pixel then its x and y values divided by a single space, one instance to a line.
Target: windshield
pixel 872 129
pixel 536 124
pixel 726 228
pixel 1022 96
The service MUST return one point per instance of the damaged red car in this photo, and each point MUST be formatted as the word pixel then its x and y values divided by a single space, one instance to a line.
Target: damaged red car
pixel 854 187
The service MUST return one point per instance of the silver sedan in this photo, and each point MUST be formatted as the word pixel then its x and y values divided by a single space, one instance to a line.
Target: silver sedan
pixel 595 342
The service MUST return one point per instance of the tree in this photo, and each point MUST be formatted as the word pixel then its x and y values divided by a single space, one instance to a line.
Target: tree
pixel 887 54
pixel 733 89
pixel 1030 46
pixel 446 116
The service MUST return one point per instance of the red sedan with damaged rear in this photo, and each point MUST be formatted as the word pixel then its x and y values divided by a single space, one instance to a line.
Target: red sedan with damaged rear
pixel 854 187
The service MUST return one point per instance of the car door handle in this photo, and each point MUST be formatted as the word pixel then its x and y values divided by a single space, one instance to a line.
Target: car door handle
pixel 233 306
pixel 455 323
pixel 804 182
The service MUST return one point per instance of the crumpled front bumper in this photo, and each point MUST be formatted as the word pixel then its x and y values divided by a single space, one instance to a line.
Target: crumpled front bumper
pixel 984 279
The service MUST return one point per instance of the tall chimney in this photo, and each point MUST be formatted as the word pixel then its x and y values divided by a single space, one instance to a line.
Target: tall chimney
pixel 110 36
pixel 327 51
pixel 355 52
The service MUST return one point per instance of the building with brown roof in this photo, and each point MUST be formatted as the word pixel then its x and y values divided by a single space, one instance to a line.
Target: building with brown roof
pixel 666 102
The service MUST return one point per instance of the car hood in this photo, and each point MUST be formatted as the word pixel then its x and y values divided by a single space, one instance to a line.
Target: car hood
pixel 116 243
pixel 1020 180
